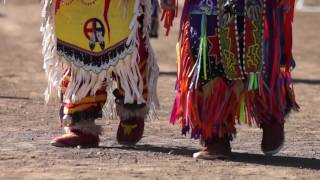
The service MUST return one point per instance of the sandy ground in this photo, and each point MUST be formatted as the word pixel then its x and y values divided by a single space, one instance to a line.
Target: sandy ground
pixel 27 125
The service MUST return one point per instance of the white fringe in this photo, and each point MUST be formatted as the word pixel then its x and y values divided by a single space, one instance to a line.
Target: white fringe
pixel 83 81
pixel 109 109
pixel 153 68
pixel 53 66
pixel 152 72
pixel 148 16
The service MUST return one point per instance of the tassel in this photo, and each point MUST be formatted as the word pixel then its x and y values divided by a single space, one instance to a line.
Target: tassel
pixel 204 44
pixel 253 82
pixel 202 54
pixel 242 110
pixel 178 57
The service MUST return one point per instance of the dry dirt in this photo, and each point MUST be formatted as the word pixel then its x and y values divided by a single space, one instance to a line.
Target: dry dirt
pixel 27 125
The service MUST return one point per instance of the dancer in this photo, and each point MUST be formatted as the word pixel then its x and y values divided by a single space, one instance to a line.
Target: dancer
pixel 97 55
pixel 234 66
pixel 155 19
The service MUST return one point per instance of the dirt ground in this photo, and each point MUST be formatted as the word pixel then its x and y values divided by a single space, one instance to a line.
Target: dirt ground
pixel 27 124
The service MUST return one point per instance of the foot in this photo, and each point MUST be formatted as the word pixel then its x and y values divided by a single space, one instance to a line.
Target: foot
pixel 217 149
pixel 76 138
pixel 273 138
pixel 153 35
pixel 130 131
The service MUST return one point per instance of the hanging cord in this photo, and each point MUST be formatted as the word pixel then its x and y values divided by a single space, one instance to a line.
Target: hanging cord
pixel 202 56
pixel 206 9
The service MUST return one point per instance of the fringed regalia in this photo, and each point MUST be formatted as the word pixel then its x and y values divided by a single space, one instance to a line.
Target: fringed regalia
pixel 234 65
pixel 96 48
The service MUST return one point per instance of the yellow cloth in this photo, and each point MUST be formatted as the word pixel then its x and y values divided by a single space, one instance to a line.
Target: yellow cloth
pixel 77 22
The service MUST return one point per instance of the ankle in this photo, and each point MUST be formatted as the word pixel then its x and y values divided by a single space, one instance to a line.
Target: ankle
pixel 218 145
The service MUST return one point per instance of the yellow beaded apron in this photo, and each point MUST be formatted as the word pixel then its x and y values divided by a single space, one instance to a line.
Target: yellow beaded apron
pixel 94 34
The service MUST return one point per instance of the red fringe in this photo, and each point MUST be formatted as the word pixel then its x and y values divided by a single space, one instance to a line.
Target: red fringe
pixel 182 78
pixel 214 108
pixel 168 16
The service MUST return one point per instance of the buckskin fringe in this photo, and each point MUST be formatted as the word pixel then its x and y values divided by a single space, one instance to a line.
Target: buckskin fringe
pixel 82 82
pixel 152 102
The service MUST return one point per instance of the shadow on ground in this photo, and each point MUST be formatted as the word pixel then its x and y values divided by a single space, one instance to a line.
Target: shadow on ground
pixel 14 97
pixel 283 161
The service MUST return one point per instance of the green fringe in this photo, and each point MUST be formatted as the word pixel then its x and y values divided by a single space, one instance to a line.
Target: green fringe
pixel 203 49
pixel 204 44
pixel 253 82
pixel 242 110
